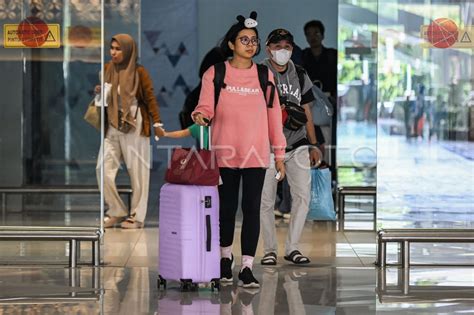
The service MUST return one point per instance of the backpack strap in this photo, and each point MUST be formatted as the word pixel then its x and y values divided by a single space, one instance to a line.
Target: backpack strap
pixel 219 75
pixel 301 72
pixel 265 83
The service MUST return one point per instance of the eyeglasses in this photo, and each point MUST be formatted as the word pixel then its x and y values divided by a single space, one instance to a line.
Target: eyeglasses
pixel 245 40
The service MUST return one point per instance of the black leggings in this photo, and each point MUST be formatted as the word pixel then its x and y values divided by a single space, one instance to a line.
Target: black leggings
pixel 252 185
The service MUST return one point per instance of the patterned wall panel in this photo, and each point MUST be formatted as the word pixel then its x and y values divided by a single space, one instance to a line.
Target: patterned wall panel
pixel 169 52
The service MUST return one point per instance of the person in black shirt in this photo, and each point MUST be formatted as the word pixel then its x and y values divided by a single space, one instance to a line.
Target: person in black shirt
pixel 320 62
pixel 321 65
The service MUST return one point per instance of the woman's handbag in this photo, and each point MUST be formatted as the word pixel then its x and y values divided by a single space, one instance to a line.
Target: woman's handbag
pixel 92 115
pixel 123 125
pixel 189 166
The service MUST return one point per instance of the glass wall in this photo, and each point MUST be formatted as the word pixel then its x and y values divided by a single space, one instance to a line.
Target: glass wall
pixel 357 93
pixel 425 130
pixel 357 108
pixel 50 60
pixel 46 141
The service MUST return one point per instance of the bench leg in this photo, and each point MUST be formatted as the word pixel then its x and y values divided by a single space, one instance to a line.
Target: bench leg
pixel 375 213
pixel 382 279
pixel 96 278
pixel 338 203
pixel 406 280
pixel 400 253
pixel 78 255
pixel 72 253
pixel 4 207
pixel 382 254
pixel 341 199
pixel 74 279
pixel 405 254
pixel 96 253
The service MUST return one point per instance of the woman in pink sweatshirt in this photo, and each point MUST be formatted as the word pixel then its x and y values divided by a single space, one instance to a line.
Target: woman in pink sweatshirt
pixel 245 130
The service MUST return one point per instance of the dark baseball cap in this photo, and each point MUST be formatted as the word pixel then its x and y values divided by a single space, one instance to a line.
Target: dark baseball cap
pixel 279 34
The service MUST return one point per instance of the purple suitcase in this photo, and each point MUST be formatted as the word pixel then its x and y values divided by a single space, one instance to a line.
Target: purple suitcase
pixel 189 235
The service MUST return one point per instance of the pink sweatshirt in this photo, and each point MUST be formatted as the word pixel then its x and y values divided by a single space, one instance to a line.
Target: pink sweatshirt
pixel 244 129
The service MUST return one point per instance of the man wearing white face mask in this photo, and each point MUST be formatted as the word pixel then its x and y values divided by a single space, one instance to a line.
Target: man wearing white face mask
pixel 294 91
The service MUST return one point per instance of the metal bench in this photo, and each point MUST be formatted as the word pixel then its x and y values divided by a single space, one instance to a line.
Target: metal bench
pixel 65 189
pixel 344 191
pixel 47 233
pixel 404 237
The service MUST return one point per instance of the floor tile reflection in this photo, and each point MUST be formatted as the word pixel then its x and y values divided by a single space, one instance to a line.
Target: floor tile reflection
pixel 426 290
pixel 341 279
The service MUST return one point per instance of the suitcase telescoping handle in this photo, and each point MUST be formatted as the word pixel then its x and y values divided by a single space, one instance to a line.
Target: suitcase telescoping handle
pixel 201 138
pixel 208 230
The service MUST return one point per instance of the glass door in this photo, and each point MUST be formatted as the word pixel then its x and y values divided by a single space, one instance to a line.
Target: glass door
pixel 50 60
pixel 425 124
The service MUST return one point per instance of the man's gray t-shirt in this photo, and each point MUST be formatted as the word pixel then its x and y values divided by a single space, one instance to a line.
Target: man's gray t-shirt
pixel 288 85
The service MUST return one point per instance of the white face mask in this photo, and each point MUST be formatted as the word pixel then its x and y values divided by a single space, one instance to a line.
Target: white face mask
pixel 281 56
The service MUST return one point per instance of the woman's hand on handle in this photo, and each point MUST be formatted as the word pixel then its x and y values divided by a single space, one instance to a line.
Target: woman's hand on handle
pixel 200 119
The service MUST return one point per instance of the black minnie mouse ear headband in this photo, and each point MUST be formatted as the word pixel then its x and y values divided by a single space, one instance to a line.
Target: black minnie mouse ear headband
pixel 250 22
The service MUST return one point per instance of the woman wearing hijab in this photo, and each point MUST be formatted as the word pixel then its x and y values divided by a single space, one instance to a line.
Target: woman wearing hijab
pixel 132 109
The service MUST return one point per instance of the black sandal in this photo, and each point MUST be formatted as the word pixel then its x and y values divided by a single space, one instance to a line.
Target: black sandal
pixel 269 259
pixel 297 258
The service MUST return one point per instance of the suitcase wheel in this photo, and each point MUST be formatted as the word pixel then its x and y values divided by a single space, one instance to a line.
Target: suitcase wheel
pixel 161 282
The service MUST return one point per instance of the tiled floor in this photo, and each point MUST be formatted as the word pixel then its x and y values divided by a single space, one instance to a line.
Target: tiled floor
pixel 341 279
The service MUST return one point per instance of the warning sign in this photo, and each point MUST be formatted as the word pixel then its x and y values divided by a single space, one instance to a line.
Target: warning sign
pixel 466 38
pixel 440 34
pixel 31 34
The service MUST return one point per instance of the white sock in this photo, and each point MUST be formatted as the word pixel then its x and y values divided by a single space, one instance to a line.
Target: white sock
pixel 226 252
pixel 247 261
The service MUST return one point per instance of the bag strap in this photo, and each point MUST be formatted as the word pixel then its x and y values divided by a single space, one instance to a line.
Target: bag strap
pixel 265 83
pixel 301 72
pixel 219 75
